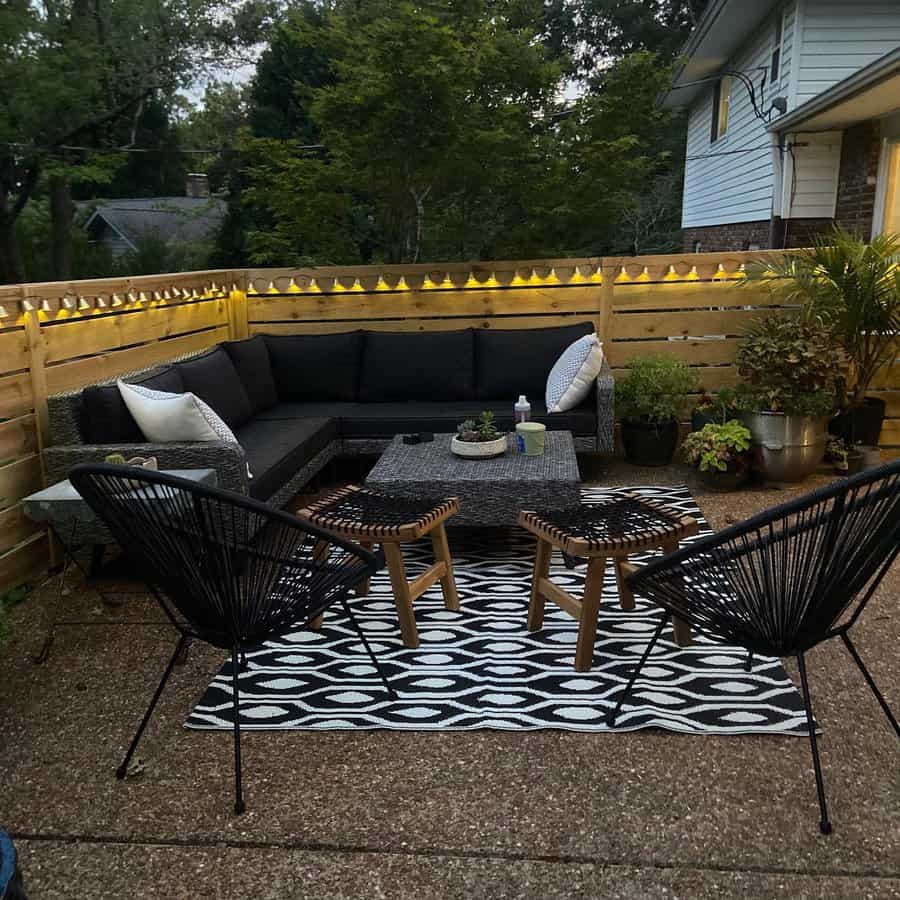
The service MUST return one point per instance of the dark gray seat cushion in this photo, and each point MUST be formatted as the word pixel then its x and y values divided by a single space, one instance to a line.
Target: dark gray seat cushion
pixel 412 365
pixel 251 360
pixel 316 366
pixel 104 418
pixel 380 420
pixel 214 379
pixel 509 363
pixel 277 449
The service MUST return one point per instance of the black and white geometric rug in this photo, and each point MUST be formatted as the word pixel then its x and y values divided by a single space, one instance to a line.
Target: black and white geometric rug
pixel 481 668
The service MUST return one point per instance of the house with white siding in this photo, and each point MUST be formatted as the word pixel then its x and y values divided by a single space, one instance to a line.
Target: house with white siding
pixel 793 121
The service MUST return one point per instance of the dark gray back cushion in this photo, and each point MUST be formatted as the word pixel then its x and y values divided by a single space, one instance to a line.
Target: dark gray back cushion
pixel 104 417
pixel 518 361
pixel 315 366
pixel 415 365
pixel 214 379
pixel 251 360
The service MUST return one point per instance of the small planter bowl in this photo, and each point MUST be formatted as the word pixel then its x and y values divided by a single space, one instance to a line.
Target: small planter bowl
pixel 478 449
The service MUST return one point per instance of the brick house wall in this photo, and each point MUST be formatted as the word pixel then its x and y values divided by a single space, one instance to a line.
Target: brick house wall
pixel 854 206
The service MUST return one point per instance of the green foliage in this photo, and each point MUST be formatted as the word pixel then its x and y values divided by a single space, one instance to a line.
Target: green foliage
pixel 713 447
pixel 482 430
pixel 790 365
pixel 722 407
pixel 655 390
pixel 853 289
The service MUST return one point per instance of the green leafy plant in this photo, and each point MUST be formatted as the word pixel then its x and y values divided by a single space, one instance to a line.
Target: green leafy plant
pixel 853 289
pixel 722 406
pixel 655 390
pixel 114 459
pixel 478 431
pixel 790 365
pixel 715 447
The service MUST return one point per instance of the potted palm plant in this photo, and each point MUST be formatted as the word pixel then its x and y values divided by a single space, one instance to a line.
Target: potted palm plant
pixel 650 399
pixel 853 289
pixel 791 368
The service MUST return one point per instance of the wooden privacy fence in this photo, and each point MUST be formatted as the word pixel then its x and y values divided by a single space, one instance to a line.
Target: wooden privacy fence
pixel 60 336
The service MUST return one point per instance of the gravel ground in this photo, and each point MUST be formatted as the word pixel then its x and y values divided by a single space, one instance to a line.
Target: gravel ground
pixel 406 815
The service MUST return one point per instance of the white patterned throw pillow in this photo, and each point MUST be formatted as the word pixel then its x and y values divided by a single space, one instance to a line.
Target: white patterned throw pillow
pixel 165 418
pixel 573 373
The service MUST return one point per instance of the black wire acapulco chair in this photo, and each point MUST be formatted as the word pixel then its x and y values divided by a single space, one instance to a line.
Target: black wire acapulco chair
pixel 784 581
pixel 226 569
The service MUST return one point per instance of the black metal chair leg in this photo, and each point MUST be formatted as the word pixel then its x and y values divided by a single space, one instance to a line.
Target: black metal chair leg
pixel 236 706
pixel 870 681
pixel 824 824
pixel 611 718
pixel 391 692
pixel 748 663
pixel 122 771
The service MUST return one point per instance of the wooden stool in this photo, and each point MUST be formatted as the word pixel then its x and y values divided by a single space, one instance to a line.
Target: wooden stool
pixel 373 518
pixel 627 524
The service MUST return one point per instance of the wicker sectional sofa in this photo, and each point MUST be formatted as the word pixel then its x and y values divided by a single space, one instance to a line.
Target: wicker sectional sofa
pixel 295 402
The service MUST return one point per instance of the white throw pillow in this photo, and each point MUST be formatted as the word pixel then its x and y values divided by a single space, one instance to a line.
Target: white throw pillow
pixel 573 373
pixel 165 418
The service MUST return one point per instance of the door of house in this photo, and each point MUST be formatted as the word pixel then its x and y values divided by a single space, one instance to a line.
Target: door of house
pixel 889 188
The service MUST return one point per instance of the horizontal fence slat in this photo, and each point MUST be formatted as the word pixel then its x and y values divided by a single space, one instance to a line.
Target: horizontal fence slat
pixel 19 479
pixel 887 379
pixel 13 351
pixel 18 437
pixel 69 376
pixel 677 324
pixel 502 323
pixel 890 433
pixel 698 353
pixel 15 395
pixel 687 295
pixel 424 304
pixel 24 561
pixel 92 334
pixel 15 527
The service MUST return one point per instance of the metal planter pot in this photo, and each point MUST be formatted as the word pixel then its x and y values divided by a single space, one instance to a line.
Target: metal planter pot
pixel 787 448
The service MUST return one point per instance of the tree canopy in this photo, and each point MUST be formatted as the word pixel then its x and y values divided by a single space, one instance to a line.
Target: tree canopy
pixel 393 130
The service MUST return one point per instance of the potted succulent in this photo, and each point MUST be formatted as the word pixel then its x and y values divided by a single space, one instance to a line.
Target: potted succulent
pixel 478 439
pixel 720 454
pixel 650 399
pixel 847 459
pixel 715 410
pixel 853 289
pixel 791 367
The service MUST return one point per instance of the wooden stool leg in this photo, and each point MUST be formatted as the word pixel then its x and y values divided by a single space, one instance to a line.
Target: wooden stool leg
pixel 626 595
pixel 402 600
pixel 362 589
pixel 590 612
pixel 681 630
pixel 541 570
pixel 442 554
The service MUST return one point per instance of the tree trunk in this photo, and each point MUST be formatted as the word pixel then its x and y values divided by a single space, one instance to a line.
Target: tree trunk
pixel 12 269
pixel 62 212
pixel 419 198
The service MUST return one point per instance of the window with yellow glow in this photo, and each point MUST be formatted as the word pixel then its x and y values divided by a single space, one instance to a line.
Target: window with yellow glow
pixel 721 103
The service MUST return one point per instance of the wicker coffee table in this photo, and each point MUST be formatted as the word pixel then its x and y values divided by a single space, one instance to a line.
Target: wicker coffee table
pixel 490 491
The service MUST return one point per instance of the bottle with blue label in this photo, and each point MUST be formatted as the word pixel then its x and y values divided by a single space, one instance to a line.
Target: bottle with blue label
pixel 521 413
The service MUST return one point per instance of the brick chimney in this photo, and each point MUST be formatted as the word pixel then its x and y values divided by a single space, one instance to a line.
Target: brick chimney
pixel 197 185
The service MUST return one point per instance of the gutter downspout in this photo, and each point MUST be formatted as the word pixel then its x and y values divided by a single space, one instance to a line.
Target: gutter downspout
pixel 777 224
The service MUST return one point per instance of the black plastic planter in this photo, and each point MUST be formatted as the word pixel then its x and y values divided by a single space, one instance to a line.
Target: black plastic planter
pixel 649 444
pixel 860 424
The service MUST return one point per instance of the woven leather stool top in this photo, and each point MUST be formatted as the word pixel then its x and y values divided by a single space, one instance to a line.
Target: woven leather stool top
pixel 625 524
pixel 362 513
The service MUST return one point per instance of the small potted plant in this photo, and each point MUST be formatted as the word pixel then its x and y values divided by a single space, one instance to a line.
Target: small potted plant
pixel 478 439
pixel 720 454
pixel 714 410
pixel 791 369
pixel 650 400
pixel 847 459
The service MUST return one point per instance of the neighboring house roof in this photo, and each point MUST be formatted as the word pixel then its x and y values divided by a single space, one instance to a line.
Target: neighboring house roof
pixel 173 219
pixel 872 91
pixel 723 28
